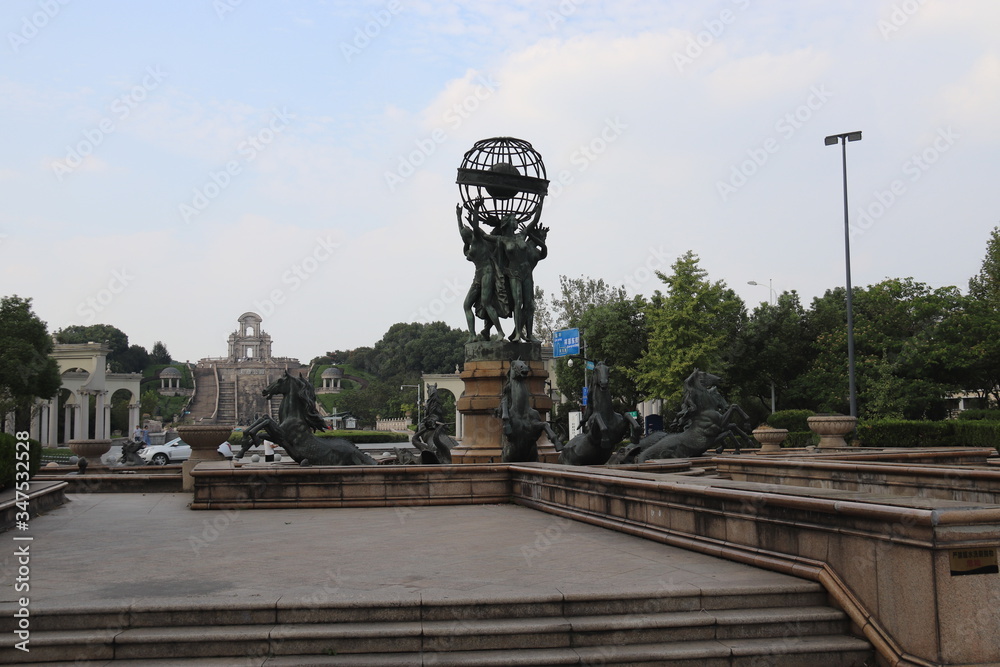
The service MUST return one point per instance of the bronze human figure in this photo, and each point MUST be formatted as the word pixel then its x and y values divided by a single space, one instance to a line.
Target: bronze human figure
pixel 430 439
pixel 502 183
pixel 488 294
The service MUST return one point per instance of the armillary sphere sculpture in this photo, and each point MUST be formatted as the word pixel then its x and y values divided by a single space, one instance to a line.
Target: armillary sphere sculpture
pixel 502 184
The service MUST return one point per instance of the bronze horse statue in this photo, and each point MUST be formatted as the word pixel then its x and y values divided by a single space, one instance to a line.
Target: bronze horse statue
pixel 430 439
pixel 522 424
pixel 603 428
pixel 704 422
pixel 297 420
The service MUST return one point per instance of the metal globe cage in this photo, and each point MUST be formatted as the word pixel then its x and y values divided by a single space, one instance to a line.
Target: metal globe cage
pixel 507 174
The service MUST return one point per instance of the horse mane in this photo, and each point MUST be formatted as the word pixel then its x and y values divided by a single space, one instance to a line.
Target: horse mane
pixel 310 415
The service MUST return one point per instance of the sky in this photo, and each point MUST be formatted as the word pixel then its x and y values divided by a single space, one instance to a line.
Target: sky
pixel 167 167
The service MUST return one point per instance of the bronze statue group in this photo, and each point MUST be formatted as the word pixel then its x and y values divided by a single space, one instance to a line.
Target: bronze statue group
pixel 505 259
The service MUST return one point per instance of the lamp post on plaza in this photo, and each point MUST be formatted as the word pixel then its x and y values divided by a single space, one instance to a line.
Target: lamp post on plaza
pixel 772 300
pixel 842 139
pixel 417 387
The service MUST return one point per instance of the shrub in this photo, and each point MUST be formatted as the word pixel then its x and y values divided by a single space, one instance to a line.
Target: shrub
pixel 906 433
pixel 9 458
pixel 977 433
pixel 800 439
pixel 793 420
pixel 976 415
pixel 951 433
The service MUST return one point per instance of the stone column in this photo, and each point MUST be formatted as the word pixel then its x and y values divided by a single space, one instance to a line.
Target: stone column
pixel 53 438
pixel 133 418
pixel 84 409
pixel 77 418
pixel 69 410
pixel 485 370
pixel 100 425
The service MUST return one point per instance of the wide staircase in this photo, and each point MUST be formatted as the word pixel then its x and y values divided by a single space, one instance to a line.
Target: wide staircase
pixel 203 404
pixel 227 403
pixel 788 625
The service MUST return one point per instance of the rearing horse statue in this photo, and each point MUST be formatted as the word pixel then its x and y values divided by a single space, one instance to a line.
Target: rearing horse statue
pixel 603 428
pixel 522 424
pixel 705 419
pixel 297 419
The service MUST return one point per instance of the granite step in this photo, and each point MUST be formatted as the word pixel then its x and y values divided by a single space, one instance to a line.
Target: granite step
pixel 820 651
pixel 455 638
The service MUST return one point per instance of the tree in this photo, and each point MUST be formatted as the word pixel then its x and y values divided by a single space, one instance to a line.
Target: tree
pixel 775 349
pixel 615 332
pixel 895 324
pixel 134 359
pixel 115 338
pixel 578 295
pixel 418 348
pixel 148 402
pixel 694 325
pixel 27 371
pixel 159 354
pixel 544 322
pixel 985 286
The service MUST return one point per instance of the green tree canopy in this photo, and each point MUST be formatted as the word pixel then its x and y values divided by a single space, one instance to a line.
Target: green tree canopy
pixel 985 286
pixel 775 348
pixel 614 332
pixel 159 354
pixel 693 325
pixel 27 371
pixel 116 339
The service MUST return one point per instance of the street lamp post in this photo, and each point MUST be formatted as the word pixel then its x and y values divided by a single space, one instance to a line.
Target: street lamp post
pixel 772 300
pixel 842 139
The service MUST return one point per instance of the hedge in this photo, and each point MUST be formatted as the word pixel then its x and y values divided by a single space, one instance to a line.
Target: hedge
pixel 800 439
pixel 8 459
pixel 793 420
pixel 987 415
pixel 951 433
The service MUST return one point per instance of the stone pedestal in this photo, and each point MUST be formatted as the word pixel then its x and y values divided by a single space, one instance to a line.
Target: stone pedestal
pixel 204 441
pixel 92 450
pixel 485 371
pixel 831 429
pixel 770 439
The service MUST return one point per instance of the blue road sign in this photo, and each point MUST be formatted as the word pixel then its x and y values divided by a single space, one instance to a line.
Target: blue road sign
pixel 590 365
pixel 566 342
pixel 585 392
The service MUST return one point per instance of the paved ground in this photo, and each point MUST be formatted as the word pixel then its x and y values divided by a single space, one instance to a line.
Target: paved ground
pixel 102 548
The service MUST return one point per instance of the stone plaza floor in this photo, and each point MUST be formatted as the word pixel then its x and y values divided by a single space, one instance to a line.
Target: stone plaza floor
pixel 99 549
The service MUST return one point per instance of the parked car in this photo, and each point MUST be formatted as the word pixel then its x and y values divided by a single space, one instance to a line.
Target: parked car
pixel 175 451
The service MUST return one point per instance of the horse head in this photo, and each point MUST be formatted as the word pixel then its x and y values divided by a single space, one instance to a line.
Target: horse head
pixel 702 380
pixel 280 386
pixel 518 370
pixel 602 374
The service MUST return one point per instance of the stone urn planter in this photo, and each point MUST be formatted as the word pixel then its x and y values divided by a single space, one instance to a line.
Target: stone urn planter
pixel 770 439
pixel 92 450
pixel 831 429
pixel 204 441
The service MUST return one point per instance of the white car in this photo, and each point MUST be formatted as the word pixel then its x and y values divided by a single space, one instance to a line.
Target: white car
pixel 175 451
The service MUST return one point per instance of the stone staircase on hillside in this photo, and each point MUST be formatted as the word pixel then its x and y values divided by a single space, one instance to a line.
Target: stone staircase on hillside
pixel 784 625
pixel 227 403
pixel 203 404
